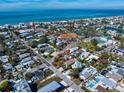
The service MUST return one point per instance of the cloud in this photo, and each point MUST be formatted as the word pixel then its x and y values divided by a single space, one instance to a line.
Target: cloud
pixel 45 4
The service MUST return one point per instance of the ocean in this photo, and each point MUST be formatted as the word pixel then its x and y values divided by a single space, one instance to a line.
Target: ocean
pixel 15 17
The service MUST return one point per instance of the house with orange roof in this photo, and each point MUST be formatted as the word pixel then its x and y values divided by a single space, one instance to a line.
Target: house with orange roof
pixel 68 36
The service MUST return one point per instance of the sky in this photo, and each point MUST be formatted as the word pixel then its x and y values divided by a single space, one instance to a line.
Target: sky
pixel 60 4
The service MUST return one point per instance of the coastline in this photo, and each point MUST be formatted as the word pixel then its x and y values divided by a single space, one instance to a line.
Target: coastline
pixel 59 20
pixel 16 17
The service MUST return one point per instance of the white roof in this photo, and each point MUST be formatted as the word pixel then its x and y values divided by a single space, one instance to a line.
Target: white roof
pixel 28 62
pixel 7 66
pixel 24 55
pixel 92 57
pixel 73 49
pixel 26 59
pixel 70 89
pixel 4 58
pixel 77 65
pixel 63 83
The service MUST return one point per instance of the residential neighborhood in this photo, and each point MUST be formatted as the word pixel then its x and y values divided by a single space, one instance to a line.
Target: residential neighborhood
pixel 65 56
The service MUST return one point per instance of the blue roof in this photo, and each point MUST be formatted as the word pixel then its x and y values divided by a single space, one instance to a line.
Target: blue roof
pixel 120 50
pixel 121 72
pixel 108 82
pixel 51 87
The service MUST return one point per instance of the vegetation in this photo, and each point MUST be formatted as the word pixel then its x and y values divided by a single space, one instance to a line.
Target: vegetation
pixel 74 73
pixel 40 85
pixel 48 73
pixel 5 86
pixel 33 44
pixel 94 42
pixel 85 89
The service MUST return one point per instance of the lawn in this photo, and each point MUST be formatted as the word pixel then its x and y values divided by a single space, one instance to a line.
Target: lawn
pixel 85 89
pixel 77 81
pixel 48 73
pixel 113 90
pixel 40 85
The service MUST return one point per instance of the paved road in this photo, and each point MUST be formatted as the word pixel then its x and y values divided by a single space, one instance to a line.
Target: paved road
pixel 56 71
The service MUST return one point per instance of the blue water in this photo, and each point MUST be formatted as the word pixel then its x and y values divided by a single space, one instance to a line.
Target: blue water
pixel 91 84
pixel 14 17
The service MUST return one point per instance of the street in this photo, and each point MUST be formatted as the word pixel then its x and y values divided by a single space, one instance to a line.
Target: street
pixel 56 71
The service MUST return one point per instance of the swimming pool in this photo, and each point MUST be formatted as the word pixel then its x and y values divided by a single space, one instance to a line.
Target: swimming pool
pixel 91 84
pixel 98 78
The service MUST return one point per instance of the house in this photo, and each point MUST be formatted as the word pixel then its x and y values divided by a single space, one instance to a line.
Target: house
pixel 8 66
pixel 4 59
pixel 54 54
pixel 51 87
pixel 49 50
pixel 5 34
pixel 120 88
pixel 70 61
pixel 68 36
pixel 121 72
pixel 37 75
pixel 73 49
pixel 87 72
pixel 108 83
pixel 92 57
pixel 28 62
pixel 21 86
pixel 100 88
pixel 105 41
pixel 84 55
pixel 42 45
pixel 24 34
pixel 119 52
pixel 26 59
pixel 29 37
pixel 70 89
pixel 114 76
pixel 77 64
pixel 63 83
pixel 21 56
pixel 38 34
pixel 59 42
pixel 19 67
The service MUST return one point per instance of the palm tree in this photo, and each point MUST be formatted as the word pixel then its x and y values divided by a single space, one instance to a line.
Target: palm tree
pixel 74 73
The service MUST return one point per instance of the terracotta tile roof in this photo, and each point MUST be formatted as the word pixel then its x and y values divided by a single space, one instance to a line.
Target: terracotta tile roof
pixel 101 89
pixel 70 61
pixel 69 35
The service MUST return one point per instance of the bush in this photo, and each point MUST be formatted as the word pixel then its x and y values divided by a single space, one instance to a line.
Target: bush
pixel 5 86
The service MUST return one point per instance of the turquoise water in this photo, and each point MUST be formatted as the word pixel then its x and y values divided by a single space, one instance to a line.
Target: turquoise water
pixel 98 78
pixel 91 84
pixel 14 17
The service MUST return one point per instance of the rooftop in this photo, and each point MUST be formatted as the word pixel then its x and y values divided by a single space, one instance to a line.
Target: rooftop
pixel 51 87
pixel 69 35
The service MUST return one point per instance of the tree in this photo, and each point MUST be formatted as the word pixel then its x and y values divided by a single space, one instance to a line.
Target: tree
pixel 33 44
pixel 5 86
pixel 28 76
pixel 43 39
pixel 74 73
pixel 94 42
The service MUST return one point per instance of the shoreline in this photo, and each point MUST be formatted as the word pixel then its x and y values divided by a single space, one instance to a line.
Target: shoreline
pixel 61 20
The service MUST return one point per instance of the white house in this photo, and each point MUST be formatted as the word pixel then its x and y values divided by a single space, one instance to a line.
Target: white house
pixel 77 64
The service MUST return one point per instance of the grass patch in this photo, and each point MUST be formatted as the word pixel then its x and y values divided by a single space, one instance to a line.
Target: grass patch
pixel 40 85
pixel 77 81
pixel 85 89
pixel 48 73
pixel 113 90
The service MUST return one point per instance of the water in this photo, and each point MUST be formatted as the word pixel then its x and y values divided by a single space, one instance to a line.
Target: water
pixel 16 17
